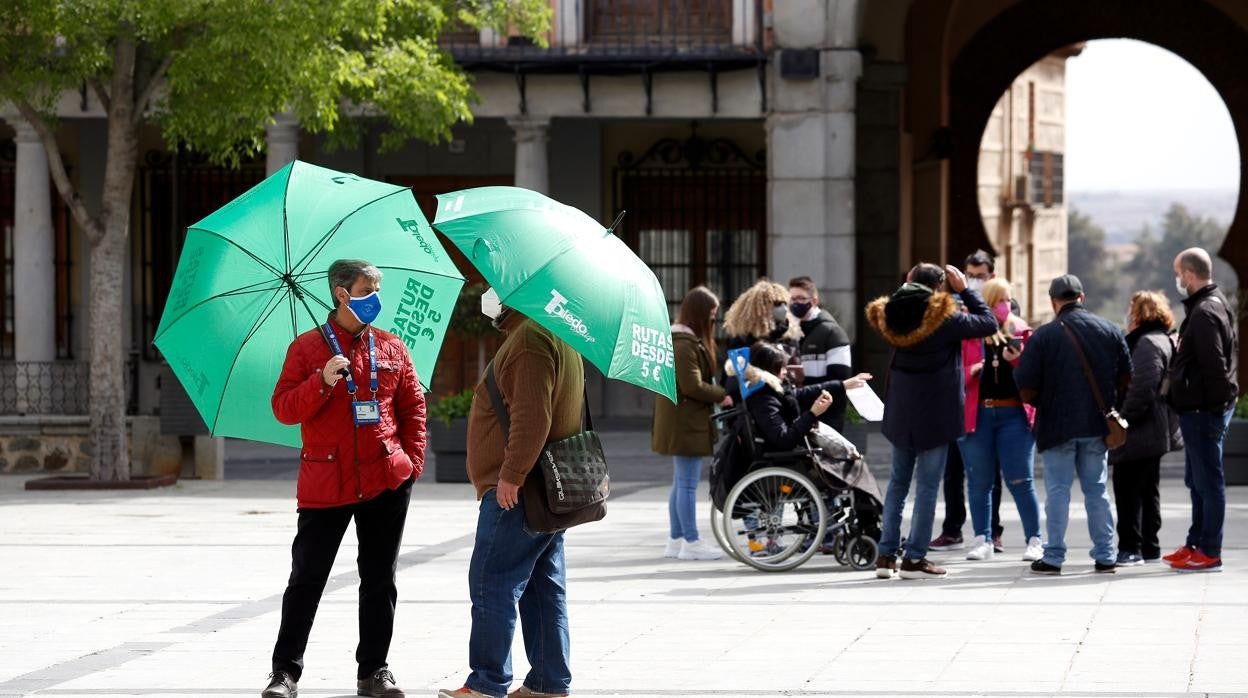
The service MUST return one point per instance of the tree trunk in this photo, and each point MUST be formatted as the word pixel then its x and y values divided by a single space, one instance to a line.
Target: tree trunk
pixel 110 459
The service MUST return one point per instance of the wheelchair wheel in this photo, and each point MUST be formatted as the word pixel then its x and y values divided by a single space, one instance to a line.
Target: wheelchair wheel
pixel 717 528
pixel 861 552
pixel 839 548
pixel 774 519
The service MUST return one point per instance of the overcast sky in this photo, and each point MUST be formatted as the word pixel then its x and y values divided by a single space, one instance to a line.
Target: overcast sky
pixel 1140 117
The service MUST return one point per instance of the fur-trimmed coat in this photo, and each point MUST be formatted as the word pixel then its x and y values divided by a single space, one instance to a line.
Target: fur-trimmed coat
pixel 924 403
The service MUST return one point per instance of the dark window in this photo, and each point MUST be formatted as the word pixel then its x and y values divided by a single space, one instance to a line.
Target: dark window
pixel 173 190
pixel 674 22
pixel 696 214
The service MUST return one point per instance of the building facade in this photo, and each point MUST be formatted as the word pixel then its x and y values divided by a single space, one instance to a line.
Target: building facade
pixel 841 139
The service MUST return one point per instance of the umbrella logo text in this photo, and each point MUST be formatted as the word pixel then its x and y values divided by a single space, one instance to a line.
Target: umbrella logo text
pixel 413 312
pixel 413 227
pixel 556 308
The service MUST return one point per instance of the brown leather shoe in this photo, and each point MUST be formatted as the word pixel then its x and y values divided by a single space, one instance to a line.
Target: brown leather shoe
pixel 885 567
pixel 921 569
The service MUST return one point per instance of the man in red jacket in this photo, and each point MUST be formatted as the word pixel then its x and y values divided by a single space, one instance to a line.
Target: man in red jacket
pixel 353 390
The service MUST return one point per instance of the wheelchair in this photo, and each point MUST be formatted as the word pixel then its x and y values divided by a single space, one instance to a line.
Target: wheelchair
pixel 774 511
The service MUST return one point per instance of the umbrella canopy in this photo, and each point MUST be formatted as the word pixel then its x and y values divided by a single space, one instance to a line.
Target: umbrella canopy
pixel 253 275
pixel 564 270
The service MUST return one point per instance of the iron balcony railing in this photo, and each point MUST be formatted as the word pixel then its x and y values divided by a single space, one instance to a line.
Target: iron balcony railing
pixel 588 32
pixel 55 387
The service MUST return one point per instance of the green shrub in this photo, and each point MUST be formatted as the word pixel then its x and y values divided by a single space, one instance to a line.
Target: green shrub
pixel 452 407
pixel 1241 408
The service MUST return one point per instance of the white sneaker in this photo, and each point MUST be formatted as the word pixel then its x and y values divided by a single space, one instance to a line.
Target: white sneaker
pixel 1035 549
pixel 981 549
pixel 673 547
pixel 698 550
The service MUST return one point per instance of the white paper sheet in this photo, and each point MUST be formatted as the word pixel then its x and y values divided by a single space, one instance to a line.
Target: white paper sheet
pixel 867 403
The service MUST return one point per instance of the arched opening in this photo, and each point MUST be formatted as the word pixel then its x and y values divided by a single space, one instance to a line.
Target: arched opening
pixel 1020 36
pixel 1106 159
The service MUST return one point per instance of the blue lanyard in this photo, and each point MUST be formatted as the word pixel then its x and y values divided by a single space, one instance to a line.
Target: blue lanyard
pixel 372 360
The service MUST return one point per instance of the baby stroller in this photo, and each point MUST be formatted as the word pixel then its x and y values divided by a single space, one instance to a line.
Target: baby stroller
pixel 775 510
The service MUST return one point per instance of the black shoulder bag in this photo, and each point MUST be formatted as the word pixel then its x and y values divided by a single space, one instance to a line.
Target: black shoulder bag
pixel 1116 425
pixel 569 484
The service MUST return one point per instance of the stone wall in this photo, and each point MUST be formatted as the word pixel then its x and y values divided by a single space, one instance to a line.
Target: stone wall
pixel 60 445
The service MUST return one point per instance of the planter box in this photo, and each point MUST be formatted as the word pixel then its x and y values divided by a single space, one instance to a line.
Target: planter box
pixel 450 450
pixel 1235 453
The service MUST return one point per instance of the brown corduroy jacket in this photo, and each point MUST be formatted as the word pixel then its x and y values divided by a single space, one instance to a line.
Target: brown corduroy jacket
pixel 542 381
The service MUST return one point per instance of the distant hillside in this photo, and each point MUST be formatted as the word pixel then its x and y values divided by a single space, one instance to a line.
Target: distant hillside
pixel 1123 213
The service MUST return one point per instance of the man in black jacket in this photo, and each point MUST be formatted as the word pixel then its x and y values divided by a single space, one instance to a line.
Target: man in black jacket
pixel 1070 421
pixel 824 347
pixel 1203 390
pixel 924 404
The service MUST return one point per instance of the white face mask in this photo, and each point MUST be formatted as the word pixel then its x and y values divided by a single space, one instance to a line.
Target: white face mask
pixel 491 306
pixel 1178 283
pixel 976 285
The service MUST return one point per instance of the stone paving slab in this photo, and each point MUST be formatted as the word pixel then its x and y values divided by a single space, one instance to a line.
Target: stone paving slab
pixel 177 592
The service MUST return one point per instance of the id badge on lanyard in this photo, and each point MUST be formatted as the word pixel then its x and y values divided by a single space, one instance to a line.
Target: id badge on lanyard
pixel 364 412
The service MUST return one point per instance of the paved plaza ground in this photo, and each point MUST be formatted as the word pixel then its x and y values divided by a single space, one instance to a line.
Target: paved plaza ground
pixel 176 593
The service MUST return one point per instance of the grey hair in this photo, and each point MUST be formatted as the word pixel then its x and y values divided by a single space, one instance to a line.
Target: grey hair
pixel 344 272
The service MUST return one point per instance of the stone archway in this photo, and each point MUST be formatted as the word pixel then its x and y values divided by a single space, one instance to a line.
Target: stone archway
pixel 1214 43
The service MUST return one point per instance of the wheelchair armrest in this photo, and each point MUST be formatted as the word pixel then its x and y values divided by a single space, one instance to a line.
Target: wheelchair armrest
pixel 728 413
pixel 785 455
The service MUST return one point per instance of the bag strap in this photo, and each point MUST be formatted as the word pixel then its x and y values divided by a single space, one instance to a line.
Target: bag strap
pixel 1087 369
pixel 504 417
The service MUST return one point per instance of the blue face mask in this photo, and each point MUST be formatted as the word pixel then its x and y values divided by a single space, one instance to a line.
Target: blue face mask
pixel 365 309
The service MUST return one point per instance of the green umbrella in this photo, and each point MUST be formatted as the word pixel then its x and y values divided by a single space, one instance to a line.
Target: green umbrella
pixel 565 270
pixel 253 275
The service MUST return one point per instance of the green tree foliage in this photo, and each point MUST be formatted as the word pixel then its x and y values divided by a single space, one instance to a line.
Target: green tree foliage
pixel 211 74
pixel 1153 266
pixel 1088 260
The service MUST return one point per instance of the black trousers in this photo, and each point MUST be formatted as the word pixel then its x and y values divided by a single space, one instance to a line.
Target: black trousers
pixel 955 496
pixel 379 530
pixel 1137 496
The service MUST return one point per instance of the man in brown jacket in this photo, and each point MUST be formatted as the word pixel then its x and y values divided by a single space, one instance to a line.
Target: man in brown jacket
pixel 542 381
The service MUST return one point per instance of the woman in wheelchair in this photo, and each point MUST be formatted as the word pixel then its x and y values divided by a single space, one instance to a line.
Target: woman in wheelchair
pixel 783 414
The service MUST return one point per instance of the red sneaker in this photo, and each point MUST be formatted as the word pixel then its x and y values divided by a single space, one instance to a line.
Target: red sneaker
pixel 1180 555
pixel 1198 562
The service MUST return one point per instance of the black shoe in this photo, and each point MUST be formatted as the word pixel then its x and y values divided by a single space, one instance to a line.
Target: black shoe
pixel 1106 567
pixel 1042 567
pixel 281 685
pixel 380 685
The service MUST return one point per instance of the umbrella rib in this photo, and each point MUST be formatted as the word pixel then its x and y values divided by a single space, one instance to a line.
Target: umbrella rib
pixel 320 245
pixel 242 249
pixel 236 292
pixel 285 223
pixel 264 315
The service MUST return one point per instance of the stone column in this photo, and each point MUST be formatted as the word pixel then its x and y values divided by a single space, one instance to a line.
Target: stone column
pixel 34 272
pixel 532 171
pixel 282 137
pixel 811 143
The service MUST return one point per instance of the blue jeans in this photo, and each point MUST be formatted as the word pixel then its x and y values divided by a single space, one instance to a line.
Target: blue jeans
pixel 928 468
pixel 1203 434
pixel 1085 458
pixel 511 565
pixel 682 508
pixel 1003 437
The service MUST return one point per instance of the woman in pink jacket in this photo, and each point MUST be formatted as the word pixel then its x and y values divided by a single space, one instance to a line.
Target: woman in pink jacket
pixel 998 426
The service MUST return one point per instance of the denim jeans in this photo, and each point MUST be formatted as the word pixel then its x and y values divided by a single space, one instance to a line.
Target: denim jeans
pixel 955 497
pixel 928 468
pixel 682 510
pixel 1001 443
pixel 1087 459
pixel 511 565
pixel 1203 434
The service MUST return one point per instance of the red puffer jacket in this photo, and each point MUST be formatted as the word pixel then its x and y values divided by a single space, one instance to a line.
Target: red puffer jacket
pixel 340 462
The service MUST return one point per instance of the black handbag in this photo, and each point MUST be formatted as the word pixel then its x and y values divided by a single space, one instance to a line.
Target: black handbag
pixel 569 484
